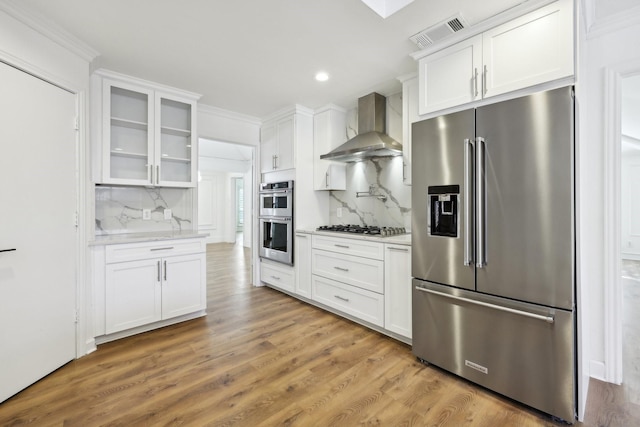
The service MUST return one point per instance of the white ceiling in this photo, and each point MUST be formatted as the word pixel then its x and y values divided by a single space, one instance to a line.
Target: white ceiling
pixel 257 56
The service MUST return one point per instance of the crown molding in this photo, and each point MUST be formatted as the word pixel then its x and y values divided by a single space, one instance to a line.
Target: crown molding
pixel 221 112
pixel 49 29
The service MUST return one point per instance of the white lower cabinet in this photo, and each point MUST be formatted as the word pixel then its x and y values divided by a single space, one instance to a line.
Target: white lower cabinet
pixel 278 275
pixel 302 257
pixel 360 303
pixel 149 282
pixel 397 289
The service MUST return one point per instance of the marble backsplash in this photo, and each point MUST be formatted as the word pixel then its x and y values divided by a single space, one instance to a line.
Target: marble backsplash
pixel 390 203
pixel 119 209
pixel 381 176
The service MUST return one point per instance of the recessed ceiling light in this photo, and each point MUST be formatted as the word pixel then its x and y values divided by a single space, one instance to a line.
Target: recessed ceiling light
pixel 321 76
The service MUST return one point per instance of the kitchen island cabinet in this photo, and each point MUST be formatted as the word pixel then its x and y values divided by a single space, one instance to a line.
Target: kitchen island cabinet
pixel 144 285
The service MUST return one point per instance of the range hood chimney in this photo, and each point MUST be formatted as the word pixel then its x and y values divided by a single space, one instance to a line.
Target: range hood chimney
pixel 372 140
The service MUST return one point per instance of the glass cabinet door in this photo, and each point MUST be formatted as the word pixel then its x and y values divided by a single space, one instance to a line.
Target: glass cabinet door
pixel 175 165
pixel 128 131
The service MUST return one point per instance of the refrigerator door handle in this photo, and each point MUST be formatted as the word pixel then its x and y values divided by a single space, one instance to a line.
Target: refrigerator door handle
pixel 468 201
pixel 549 318
pixel 481 260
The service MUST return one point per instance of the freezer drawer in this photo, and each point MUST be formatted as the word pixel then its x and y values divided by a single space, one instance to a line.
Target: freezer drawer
pixel 523 351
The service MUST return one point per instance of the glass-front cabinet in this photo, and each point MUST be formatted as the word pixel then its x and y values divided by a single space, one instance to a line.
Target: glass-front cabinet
pixel 148 134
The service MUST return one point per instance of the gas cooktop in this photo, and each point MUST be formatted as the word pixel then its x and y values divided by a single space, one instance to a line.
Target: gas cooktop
pixel 364 229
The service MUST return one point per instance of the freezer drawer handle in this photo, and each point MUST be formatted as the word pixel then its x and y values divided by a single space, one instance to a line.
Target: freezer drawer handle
pixel 548 319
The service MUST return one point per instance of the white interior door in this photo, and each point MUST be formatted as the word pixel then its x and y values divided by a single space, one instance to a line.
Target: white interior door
pixel 38 199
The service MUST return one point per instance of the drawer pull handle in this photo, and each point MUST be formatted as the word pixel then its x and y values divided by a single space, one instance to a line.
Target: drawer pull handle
pixel 161 249
pixel 7 250
pixel 341 246
pixel 549 318
pixel 398 249
pixel 341 298
pixel 341 269
pixel 275 277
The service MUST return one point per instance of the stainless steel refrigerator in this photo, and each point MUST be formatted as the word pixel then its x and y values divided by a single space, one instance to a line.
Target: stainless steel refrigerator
pixel 493 243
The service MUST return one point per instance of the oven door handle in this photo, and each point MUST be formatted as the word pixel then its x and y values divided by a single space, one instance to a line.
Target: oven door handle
pixel 286 190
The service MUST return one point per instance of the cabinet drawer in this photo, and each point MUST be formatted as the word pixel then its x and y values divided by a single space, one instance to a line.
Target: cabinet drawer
pixel 146 250
pixel 281 277
pixel 360 303
pixel 363 248
pixel 364 273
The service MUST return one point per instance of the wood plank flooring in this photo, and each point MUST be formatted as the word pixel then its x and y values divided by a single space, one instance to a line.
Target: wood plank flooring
pixel 260 358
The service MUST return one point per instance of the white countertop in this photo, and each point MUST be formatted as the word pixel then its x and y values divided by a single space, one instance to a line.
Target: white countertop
pixel 149 236
pixel 400 239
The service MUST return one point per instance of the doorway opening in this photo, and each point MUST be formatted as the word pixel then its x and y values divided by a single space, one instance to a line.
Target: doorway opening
pixel 227 192
pixel 239 208
pixel 630 230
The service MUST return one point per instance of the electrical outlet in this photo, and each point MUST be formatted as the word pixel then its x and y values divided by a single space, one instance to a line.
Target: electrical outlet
pixel 167 214
pixel 146 214
pixel 339 212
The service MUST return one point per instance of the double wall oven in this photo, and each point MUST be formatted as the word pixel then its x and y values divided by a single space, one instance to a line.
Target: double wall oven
pixel 276 221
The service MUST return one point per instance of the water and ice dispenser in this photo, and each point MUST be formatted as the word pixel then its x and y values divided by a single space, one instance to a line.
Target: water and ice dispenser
pixel 444 203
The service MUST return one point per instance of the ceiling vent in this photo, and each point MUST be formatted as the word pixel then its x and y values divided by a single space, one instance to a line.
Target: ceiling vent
pixel 435 33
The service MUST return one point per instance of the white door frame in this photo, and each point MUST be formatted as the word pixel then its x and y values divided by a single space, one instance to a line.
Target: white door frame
pixel 612 217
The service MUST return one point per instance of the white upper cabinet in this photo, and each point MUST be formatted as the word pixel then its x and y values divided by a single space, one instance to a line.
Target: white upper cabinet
pixel 451 76
pixel 277 145
pixel 532 49
pixel 148 133
pixel 329 131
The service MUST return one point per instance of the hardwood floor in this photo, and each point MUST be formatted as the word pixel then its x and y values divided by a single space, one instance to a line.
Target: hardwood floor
pixel 261 358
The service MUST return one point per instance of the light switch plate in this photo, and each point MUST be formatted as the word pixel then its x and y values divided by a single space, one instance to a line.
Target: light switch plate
pixel 167 214
pixel 146 214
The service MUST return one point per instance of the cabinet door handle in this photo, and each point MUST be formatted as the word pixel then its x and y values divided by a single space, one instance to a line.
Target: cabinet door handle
pixel 150 174
pixel 158 174
pixel 273 161
pixel 341 268
pixel 341 298
pixel 326 180
pixel 165 270
pixel 341 246
pixel 484 80
pixel 276 163
pixel 158 271
pixel 475 82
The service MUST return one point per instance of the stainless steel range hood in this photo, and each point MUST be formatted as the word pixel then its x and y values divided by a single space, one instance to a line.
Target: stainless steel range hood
pixel 372 140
